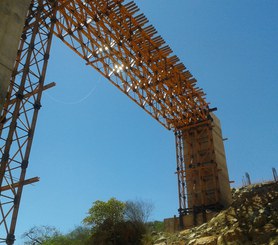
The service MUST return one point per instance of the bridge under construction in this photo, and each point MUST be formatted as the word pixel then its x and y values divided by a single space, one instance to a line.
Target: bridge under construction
pixel 115 39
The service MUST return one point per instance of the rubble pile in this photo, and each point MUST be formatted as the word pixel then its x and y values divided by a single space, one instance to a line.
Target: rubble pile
pixel 252 219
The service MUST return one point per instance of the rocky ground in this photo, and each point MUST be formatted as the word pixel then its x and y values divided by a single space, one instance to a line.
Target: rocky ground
pixel 251 220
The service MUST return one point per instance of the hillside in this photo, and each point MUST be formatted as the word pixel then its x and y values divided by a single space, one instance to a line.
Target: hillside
pixel 251 220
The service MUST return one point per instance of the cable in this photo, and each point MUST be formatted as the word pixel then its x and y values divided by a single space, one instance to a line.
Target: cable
pixel 77 101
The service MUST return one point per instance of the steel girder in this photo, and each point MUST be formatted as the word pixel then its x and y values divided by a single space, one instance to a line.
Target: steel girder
pixel 117 41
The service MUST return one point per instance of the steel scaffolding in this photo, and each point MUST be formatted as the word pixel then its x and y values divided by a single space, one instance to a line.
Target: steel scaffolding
pixel 116 40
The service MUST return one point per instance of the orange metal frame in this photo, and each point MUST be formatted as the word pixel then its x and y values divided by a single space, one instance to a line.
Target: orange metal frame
pixel 116 40
pixel 119 44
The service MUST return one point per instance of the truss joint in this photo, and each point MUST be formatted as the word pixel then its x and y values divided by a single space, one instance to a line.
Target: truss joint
pixel 16 200
pixel 37 105
pixel 46 57
pixel 20 95
pixel 5 157
pixel 10 239
pixel 24 164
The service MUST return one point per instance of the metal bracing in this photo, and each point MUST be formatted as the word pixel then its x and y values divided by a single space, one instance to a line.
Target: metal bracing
pixel 115 40
pixel 19 117
pixel 275 177
pixel 181 170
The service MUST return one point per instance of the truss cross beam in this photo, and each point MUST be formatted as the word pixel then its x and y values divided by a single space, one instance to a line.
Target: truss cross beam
pixel 116 41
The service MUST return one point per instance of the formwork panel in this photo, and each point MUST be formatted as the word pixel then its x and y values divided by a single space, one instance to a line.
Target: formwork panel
pixel 206 173
pixel 200 167
pixel 220 158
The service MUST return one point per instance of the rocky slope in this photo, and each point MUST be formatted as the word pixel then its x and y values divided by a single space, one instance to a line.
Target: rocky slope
pixel 251 220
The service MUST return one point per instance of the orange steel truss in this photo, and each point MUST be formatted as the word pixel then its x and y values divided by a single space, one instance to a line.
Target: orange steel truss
pixel 115 39
pixel 119 44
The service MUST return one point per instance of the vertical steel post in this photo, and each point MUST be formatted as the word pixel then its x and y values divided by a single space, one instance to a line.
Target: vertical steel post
pixel 275 177
pixel 21 112
pixel 181 176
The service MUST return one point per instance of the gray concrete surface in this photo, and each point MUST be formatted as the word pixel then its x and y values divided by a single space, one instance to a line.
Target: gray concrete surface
pixel 12 18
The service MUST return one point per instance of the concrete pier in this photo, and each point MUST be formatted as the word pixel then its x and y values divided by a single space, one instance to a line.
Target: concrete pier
pixel 13 14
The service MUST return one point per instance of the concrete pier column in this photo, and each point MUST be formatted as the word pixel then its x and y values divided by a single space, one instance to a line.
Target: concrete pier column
pixel 13 14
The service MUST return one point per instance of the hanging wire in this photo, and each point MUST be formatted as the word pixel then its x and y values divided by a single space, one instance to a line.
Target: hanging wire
pixel 76 101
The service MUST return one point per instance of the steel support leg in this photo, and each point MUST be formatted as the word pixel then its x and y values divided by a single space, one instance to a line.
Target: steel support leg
pixel 181 176
pixel 19 117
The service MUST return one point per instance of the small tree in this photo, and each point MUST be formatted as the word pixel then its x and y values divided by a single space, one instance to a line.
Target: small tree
pixel 79 236
pixel 138 211
pixel 101 212
pixel 116 222
pixel 39 234
pixel 105 218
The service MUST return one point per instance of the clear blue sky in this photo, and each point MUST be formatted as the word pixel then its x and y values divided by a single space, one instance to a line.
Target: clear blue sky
pixel 93 143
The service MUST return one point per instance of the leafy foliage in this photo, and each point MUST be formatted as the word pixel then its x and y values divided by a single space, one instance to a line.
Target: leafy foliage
pixel 39 234
pixel 122 233
pixel 115 222
pixel 155 226
pixel 79 236
pixel 101 212
pixel 112 222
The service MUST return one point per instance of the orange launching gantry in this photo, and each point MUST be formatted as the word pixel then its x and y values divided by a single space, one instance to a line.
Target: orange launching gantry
pixel 116 40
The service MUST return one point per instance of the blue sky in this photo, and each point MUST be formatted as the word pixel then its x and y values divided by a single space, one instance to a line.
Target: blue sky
pixel 93 143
